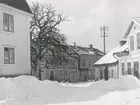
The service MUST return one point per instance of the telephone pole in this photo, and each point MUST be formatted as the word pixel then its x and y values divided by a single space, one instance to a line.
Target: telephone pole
pixel 104 34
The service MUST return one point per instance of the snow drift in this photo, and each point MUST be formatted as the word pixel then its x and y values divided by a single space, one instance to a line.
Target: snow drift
pixel 27 90
pixel 124 83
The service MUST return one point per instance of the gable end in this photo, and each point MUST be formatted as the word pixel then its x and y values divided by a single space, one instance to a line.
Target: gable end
pixel 18 4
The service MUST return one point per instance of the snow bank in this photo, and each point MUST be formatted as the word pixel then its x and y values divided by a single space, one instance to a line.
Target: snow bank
pixel 124 83
pixel 27 90
pixel 84 84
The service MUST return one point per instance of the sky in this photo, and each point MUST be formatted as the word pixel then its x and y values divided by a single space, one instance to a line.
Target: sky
pixel 87 16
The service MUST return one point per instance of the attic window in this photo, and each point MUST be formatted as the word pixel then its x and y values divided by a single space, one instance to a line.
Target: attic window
pixel 138 40
pixel 134 27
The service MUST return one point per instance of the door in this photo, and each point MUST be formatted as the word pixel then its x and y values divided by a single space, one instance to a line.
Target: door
pixel 52 75
pixel 73 76
pixel 106 73
pixel 85 78
pixel 136 69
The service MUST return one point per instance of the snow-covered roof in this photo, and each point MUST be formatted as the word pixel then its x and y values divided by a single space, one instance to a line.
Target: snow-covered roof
pixel 85 52
pixel 82 50
pixel 109 57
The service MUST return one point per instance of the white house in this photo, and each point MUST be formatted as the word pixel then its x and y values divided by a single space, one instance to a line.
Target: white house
pixel 108 66
pixel 14 37
pixel 127 58
pixel 131 62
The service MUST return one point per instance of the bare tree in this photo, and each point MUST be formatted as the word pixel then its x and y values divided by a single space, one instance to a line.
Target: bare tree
pixel 45 35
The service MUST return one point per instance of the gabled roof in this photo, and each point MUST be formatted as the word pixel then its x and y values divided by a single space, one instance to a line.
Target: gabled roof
pixel 135 20
pixel 109 57
pixel 81 50
pixel 86 50
pixel 18 4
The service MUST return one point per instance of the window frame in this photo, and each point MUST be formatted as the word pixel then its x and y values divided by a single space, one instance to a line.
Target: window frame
pixel 74 62
pixel 136 68
pixel 43 62
pixel 8 23
pixel 9 54
pixel 131 43
pixel 123 68
pixel 138 40
pixel 129 68
pixel 61 73
pixel 66 73
pixel 83 62
pixel 90 63
pixel 112 73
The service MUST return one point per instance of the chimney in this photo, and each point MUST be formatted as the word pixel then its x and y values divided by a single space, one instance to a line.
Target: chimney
pixel 90 46
pixel 74 43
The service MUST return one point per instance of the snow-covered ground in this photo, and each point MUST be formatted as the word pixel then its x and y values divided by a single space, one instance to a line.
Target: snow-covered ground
pixel 27 90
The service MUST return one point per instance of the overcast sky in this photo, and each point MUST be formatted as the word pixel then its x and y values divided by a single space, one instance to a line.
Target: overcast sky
pixel 87 16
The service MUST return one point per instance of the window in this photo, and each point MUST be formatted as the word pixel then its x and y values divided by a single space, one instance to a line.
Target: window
pixel 43 62
pixel 73 62
pixel 9 55
pixel 134 27
pixel 89 62
pixel 138 40
pixel 112 73
pixel 129 68
pixel 123 69
pixel 52 75
pixel 66 73
pixel 83 62
pixel 136 69
pixel 131 43
pixel 61 73
pixel 8 22
pixel 61 63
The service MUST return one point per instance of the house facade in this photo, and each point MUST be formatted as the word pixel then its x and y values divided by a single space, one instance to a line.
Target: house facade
pixel 130 63
pixel 14 37
pixel 109 65
pixel 127 57
pixel 79 69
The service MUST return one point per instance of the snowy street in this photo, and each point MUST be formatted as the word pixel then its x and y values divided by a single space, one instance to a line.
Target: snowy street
pixel 27 90
pixel 69 52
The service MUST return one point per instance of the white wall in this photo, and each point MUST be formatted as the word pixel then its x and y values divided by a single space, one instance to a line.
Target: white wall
pixel 20 40
pixel 113 67
pixel 133 55
pixel 133 32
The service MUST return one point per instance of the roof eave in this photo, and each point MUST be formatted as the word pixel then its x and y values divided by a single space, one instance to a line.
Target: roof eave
pixel 105 63
pixel 129 28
